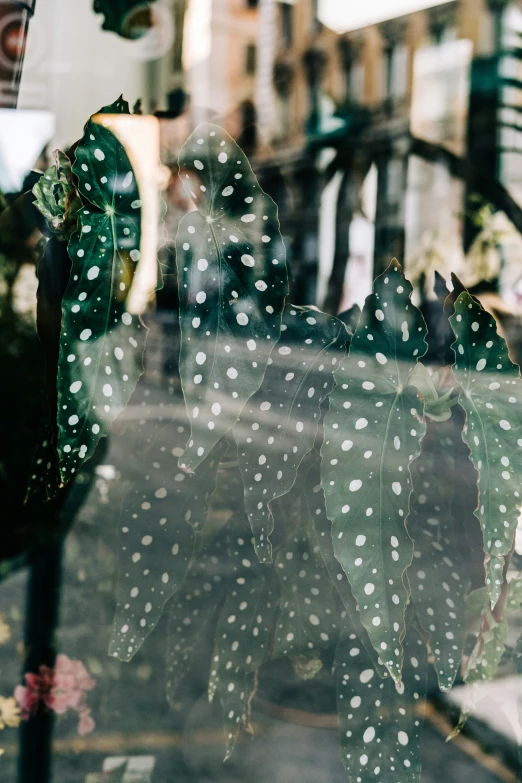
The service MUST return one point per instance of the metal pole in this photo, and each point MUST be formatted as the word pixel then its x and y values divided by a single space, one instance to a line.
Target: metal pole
pixel 14 25
pixel 41 622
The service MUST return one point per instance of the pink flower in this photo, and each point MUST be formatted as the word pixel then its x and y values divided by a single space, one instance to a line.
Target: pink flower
pixel 86 724
pixel 60 689
pixel 74 668
pixel 27 700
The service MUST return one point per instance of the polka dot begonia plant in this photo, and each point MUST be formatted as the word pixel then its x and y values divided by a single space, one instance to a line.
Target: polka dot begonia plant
pixel 325 474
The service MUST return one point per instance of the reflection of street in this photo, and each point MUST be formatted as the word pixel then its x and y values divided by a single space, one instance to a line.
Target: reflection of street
pixel 128 703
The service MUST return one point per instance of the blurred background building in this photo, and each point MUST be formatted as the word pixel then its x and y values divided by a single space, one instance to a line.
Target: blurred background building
pixel 388 140
pixel 399 138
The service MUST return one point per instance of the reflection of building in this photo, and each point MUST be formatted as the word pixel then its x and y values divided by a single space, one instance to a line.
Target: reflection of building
pixel 73 67
pixel 222 84
pixel 348 110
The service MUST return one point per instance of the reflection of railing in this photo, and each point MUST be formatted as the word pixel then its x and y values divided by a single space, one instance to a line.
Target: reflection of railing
pixel 509 114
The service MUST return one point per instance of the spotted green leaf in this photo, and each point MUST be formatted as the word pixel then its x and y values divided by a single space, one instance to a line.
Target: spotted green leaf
pixel 491 391
pixel 57 198
pixel 43 481
pixel 379 721
pixel 232 286
pixel 308 622
pixel 156 552
pixel 101 343
pixel 514 597
pixel 478 600
pixel 191 610
pixel 243 635
pixel 323 534
pixel 437 577
pixel 278 426
pixel 371 434
pixel 158 524
pixel 485 658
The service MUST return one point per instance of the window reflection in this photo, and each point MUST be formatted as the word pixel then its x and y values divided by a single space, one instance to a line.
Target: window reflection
pixel 379 132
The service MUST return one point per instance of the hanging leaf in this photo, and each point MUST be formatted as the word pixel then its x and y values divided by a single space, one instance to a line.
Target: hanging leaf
pixel 157 530
pixel 278 426
pixel 437 578
pixel 308 621
pixel 490 390
pixel 380 722
pixel 57 198
pixel 101 343
pixel 232 285
pixel 243 634
pixel 191 611
pixel 218 560
pixel 43 481
pixel 484 661
pixel 323 534
pixel 213 679
pixel 157 563
pixel 514 596
pixel 372 433
pixel 477 600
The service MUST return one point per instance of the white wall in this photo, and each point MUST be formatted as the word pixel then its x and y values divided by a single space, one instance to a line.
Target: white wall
pixel 74 68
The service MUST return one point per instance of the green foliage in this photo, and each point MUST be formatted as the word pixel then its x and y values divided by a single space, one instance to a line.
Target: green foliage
pixel 232 286
pixel 101 343
pixel 43 481
pixel 437 576
pixel 308 623
pixel 489 648
pixel 271 446
pixel 57 198
pixel 490 387
pixel 478 600
pixel 514 596
pixel 157 545
pixel 372 433
pixel 437 406
pixel 192 609
pixel 273 552
pixel 243 633
pixel 379 722
pixel 323 533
